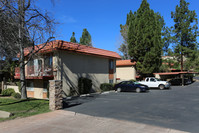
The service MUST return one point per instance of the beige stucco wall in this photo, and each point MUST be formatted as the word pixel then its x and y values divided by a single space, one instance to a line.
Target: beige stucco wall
pixel 157 76
pixel 71 66
pixel 38 89
pixel 55 64
pixel 126 72
pixel 13 87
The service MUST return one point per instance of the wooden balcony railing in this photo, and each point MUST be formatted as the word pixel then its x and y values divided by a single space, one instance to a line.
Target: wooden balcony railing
pixel 32 71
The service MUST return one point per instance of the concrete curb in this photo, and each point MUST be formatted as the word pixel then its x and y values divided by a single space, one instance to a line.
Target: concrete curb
pixel 107 92
pixel 90 94
pixel 83 95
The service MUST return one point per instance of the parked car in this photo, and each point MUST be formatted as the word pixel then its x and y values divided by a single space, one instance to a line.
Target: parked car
pixel 130 86
pixel 152 82
pixel 178 81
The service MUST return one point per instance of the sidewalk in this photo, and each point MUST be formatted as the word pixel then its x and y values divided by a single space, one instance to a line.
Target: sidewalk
pixel 62 121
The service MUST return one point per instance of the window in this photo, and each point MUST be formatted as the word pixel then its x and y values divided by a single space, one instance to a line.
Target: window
pixel 131 82
pixel 46 86
pixel 122 82
pixel 157 79
pixel 152 80
pixel 30 86
pixel 111 81
pixel 37 67
pixel 48 61
pixel 110 64
pixel 128 83
pixel 30 63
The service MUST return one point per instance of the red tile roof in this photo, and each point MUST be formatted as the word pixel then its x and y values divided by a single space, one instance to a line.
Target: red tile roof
pixel 129 63
pixel 73 47
pixel 125 63
pixel 175 73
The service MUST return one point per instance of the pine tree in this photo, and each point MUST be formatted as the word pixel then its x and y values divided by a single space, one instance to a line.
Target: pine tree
pixel 144 39
pixel 86 38
pixel 167 39
pixel 73 39
pixel 185 30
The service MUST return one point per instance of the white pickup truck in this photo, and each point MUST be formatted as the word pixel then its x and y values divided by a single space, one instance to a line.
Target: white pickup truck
pixel 152 82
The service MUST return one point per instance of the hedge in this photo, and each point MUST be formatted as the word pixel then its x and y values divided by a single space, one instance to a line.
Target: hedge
pixel 106 87
pixel 16 95
pixel 8 92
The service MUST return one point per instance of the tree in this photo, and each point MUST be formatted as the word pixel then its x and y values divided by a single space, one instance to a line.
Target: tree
pixel 124 49
pixel 31 27
pixel 185 30
pixel 73 39
pixel 124 33
pixel 167 39
pixel 8 33
pixel 144 39
pixel 191 64
pixel 170 52
pixel 86 38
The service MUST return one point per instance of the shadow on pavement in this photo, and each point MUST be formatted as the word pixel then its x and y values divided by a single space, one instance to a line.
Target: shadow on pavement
pixel 78 100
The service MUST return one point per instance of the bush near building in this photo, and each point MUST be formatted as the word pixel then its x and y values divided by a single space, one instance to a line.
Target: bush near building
pixel 8 92
pixel 16 95
pixel 106 87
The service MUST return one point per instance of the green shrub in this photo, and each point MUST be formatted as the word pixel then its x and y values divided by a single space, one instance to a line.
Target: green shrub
pixel 8 92
pixel 16 95
pixel 19 86
pixel 106 87
pixel 84 85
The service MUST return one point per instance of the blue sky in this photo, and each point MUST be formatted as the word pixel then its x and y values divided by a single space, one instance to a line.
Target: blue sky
pixel 102 18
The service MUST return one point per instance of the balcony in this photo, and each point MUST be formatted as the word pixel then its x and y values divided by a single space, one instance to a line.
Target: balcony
pixel 35 72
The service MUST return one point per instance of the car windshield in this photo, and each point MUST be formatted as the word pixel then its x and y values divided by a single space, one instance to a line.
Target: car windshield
pixel 126 82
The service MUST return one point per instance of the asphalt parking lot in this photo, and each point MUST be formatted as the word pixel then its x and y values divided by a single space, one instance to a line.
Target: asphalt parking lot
pixel 177 108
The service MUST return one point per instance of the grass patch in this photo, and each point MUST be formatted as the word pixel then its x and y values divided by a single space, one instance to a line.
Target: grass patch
pixel 23 108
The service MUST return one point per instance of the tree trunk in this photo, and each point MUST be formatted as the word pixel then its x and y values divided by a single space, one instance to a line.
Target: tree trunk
pixel 23 81
pixel 21 36
pixel 181 60
pixel 182 75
